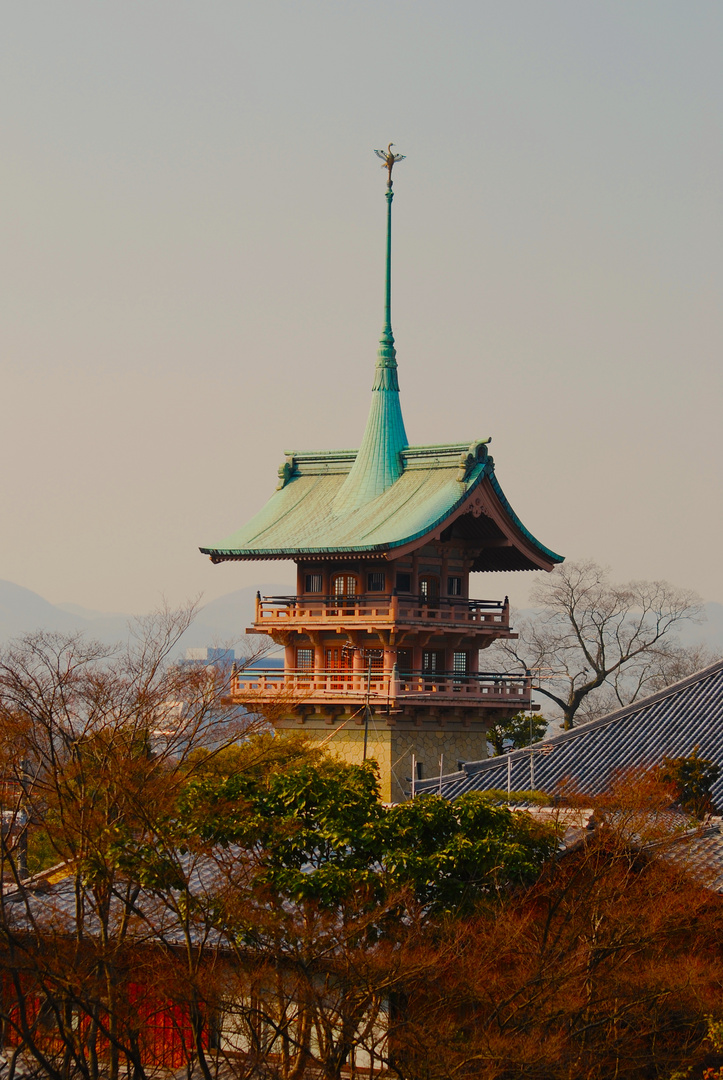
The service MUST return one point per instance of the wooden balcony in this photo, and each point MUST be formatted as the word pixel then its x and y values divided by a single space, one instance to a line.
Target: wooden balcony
pixel 385 688
pixel 324 612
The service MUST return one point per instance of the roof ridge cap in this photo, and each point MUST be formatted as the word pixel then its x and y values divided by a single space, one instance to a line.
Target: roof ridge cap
pixel 448 446
pixel 319 453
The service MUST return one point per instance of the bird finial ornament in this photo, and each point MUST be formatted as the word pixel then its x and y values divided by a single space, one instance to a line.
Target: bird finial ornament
pixel 390 159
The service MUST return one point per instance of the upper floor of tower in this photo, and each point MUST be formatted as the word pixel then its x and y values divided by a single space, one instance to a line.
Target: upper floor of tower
pixel 387 499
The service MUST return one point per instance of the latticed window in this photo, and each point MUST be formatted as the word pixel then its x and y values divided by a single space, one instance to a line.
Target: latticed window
pixel 459 666
pixel 305 659
pixel 459 663
pixel 429 588
pixel 377 658
pixel 338 664
pixel 338 659
pixel 344 585
pixel 376 582
pixel 454 586
pixel 314 583
pixel 432 661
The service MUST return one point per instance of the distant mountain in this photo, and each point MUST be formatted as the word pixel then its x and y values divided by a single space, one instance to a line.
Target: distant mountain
pixel 89 613
pixel 22 611
pixel 220 622
pixel 224 620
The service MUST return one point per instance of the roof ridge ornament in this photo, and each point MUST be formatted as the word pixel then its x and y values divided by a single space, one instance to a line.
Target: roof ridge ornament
pixel 472 456
pixel 286 471
pixel 389 160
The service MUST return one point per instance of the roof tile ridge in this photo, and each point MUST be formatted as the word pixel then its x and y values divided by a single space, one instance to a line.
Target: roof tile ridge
pixel 600 721
pixel 301 454
pixel 445 446
pixel 52 875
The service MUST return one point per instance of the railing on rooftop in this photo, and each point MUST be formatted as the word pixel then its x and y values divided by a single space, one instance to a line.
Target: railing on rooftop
pixel 338 684
pixel 390 607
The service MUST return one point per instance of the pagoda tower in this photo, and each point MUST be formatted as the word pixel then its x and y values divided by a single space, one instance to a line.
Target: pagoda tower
pixel 382 639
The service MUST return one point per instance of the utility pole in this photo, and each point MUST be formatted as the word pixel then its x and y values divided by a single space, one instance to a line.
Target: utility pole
pixel 366 705
pixel 369 655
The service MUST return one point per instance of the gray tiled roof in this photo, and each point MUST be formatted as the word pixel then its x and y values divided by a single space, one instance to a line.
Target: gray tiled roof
pixel 701 854
pixel 673 722
pixel 53 905
pixel 696 848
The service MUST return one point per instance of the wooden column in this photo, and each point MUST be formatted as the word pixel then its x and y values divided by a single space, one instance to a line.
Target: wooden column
pixel 417 661
pixel 318 642
pixel 465 578
pixel 359 667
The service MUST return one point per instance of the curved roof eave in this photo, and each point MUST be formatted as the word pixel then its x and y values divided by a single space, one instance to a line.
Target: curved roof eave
pixel 429 529
pixel 513 516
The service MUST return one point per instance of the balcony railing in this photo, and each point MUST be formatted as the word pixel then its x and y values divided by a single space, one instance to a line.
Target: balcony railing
pixel 336 685
pixel 454 610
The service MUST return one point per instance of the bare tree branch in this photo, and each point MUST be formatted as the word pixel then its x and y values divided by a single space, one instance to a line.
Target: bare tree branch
pixel 597 645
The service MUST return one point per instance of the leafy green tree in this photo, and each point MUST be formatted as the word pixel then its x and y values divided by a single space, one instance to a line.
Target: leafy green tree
pixel 262 754
pixel 692 777
pixel 328 898
pixel 455 854
pixel 320 833
pixel 519 730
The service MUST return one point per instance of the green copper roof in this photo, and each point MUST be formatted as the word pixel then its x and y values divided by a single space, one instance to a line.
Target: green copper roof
pixel 303 518
pixel 378 463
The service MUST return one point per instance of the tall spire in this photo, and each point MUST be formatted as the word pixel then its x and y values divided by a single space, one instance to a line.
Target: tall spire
pixel 378 463
pixel 387 354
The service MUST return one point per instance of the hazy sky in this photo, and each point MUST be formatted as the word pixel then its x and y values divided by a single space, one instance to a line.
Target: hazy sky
pixel 191 256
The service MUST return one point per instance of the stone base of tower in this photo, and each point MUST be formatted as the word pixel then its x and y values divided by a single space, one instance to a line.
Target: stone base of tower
pixel 394 748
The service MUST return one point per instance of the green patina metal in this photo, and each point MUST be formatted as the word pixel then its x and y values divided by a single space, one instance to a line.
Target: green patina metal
pixel 301 518
pixel 378 463
pixel 387 494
